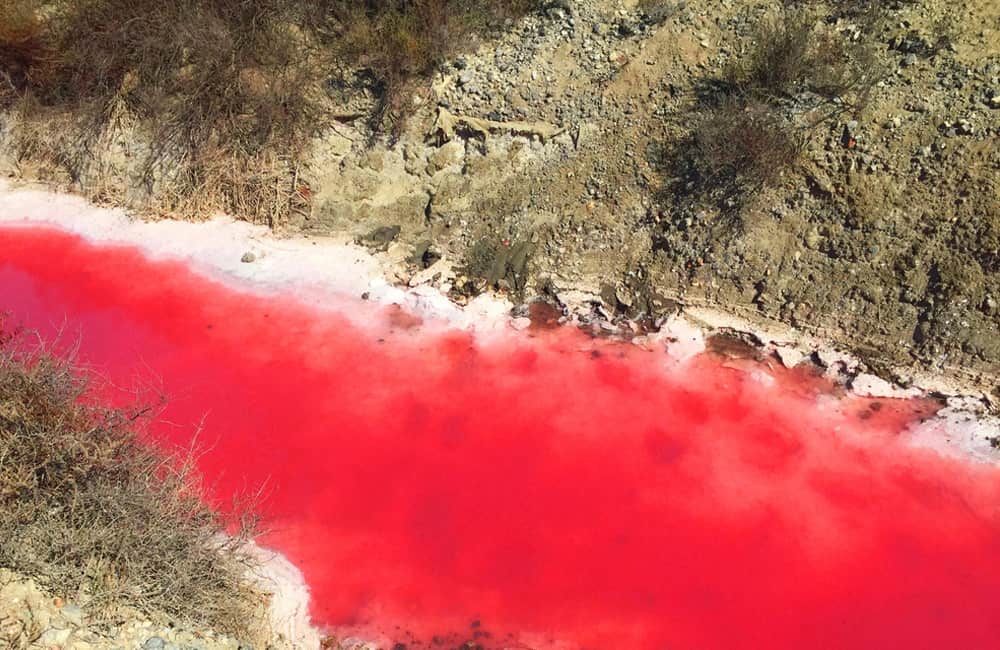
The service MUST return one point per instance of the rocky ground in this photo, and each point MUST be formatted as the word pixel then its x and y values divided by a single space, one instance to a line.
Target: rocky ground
pixel 32 618
pixel 548 164
pixel 536 167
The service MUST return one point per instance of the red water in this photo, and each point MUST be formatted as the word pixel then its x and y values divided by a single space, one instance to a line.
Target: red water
pixel 524 489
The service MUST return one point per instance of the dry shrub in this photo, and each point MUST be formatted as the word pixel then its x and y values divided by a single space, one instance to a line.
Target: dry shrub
pixel 24 47
pixel 200 92
pixel 90 508
pixel 403 41
pixel 743 144
pixel 791 53
pixel 213 101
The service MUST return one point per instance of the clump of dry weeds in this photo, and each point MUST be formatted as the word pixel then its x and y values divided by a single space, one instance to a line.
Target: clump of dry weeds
pixel 91 509
pixel 792 52
pixel 217 100
pixel 745 143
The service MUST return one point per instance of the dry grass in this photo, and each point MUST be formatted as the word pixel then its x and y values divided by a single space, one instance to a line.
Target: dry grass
pixel 190 107
pixel 402 41
pixel 793 52
pixel 746 143
pixel 795 74
pixel 24 48
pixel 92 510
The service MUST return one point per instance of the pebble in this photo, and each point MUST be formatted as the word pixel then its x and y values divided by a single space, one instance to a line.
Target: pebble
pixel 54 637
pixel 73 614
pixel 154 643
pixel 789 357
pixel 248 258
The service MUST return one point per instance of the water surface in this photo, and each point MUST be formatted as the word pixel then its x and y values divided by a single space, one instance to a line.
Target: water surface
pixel 540 489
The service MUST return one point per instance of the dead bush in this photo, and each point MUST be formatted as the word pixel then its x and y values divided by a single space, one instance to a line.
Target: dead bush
pixel 24 47
pixel 791 52
pixel 403 41
pixel 742 144
pixel 195 94
pixel 92 509
pixel 213 101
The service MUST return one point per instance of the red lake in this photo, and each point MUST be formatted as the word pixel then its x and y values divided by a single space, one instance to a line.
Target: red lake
pixel 538 489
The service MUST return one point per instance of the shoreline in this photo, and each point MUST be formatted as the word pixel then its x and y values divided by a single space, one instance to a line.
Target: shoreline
pixel 329 272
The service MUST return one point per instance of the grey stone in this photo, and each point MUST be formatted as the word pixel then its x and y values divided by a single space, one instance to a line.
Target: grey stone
pixel 54 636
pixel 154 643
pixel 73 614
pixel 248 258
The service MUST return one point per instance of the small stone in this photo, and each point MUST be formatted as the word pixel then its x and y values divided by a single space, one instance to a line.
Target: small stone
pixel 154 643
pixel 73 614
pixel 465 78
pixel 54 637
pixel 451 153
pixel 994 101
pixel 789 357
pixel 248 258
pixel 867 385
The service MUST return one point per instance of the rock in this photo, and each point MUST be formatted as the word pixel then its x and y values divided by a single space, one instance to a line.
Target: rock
pixel 994 101
pixel 248 258
pixel 54 637
pixel 867 385
pixel 374 160
pixel 828 358
pixel 73 614
pixel 380 238
pixel 521 323
pixel 789 357
pixel 965 127
pixel 465 78
pixel 450 153
pixel 154 643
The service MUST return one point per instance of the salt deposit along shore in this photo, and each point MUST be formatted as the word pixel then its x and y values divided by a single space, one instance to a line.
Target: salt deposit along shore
pixel 328 271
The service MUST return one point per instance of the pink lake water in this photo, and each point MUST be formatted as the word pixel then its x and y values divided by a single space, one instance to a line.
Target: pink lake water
pixel 538 489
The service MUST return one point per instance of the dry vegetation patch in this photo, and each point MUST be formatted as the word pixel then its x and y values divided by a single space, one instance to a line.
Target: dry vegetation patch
pixel 91 509
pixel 217 100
